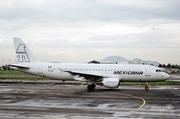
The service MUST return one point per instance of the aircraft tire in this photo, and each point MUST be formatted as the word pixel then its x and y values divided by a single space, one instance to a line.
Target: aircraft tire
pixel 91 87
pixel 147 88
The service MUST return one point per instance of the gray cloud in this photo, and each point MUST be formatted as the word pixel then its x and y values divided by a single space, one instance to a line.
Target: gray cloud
pixel 91 10
pixel 68 28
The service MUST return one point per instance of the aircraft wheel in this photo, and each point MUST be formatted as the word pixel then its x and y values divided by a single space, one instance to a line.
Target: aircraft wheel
pixel 146 88
pixel 91 87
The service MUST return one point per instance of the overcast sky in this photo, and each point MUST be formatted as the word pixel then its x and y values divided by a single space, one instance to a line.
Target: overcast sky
pixel 84 30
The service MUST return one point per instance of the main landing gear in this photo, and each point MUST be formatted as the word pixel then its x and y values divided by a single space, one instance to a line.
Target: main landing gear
pixel 91 87
pixel 146 86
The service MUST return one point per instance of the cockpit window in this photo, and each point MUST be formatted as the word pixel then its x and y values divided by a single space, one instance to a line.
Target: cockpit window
pixel 158 70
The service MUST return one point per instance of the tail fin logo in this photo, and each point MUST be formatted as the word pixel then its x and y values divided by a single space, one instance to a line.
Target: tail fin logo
pixel 22 55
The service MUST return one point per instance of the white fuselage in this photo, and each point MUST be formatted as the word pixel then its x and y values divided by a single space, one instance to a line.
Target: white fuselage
pixel 107 75
pixel 124 72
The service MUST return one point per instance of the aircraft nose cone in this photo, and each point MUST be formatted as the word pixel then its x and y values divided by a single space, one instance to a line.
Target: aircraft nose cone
pixel 166 76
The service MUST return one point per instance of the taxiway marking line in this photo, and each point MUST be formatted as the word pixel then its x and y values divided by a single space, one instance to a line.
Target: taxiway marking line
pixel 58 118
pixel 144 101
pixel 82 83
pixel 143 104
pixel 51 83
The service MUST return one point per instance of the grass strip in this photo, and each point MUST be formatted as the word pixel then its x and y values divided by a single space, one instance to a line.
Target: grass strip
pixel 13 74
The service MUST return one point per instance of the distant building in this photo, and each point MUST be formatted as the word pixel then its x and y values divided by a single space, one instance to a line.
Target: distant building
pixel 124 62
pixel 100 62
pixel 128 62
pixel 150 63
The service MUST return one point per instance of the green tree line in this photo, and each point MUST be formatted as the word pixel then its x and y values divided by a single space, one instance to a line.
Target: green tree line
pixel 169 65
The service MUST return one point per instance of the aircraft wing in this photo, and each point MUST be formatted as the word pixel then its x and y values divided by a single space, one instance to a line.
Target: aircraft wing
pixel 88 76
pixel 19 66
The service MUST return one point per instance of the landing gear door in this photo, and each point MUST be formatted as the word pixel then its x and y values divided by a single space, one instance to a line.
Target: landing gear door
pixel 147 70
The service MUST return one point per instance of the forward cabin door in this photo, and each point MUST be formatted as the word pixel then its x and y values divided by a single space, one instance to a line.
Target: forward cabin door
pixel 147 70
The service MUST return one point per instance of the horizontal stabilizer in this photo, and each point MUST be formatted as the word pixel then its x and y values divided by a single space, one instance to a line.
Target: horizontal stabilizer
pixel 19 66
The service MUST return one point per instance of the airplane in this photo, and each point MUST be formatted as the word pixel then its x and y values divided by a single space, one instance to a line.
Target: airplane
pixel 107 75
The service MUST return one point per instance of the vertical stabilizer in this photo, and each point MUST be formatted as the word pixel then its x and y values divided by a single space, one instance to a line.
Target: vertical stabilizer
pixel 23 53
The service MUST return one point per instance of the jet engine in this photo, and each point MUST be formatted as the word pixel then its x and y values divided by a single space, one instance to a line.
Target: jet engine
pixel 111 82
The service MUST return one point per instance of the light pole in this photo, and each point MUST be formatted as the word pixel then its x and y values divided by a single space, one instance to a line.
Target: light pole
pixel 2 62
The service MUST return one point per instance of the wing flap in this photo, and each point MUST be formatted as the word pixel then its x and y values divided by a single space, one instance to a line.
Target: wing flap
pixel 89 76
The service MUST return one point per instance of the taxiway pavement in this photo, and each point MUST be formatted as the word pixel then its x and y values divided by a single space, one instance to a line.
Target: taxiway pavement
pixel 56 101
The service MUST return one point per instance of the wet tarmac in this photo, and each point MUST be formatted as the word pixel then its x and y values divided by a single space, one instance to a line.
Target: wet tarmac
pixel 174 77
pixel 64 101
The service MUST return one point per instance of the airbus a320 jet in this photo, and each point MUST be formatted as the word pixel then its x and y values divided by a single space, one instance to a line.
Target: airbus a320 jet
pixel 107 75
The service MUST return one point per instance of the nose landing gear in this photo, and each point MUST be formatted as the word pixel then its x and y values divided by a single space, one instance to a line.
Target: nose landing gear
pixel 146 86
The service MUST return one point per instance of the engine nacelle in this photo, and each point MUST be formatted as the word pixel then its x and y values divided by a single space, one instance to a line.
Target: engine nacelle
pixel 80 79
pixel 111 82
